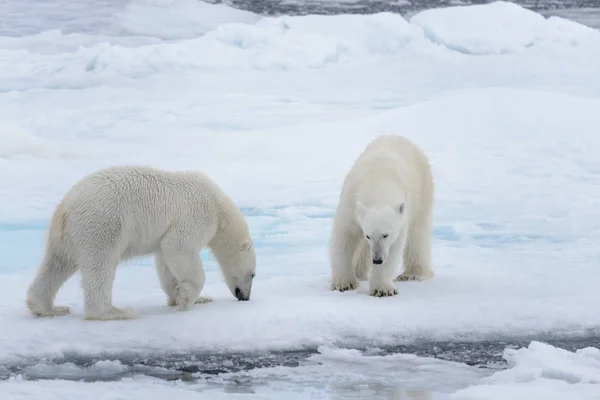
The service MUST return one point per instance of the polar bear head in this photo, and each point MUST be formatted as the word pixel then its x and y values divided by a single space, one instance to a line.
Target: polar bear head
pixel 381 227
pixel 238 263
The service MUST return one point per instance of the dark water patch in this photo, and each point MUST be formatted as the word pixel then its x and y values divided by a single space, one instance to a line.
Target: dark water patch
pixel 585 16
pixel 202 366
pixel 485 353
pixel 175 366
pixel 332 7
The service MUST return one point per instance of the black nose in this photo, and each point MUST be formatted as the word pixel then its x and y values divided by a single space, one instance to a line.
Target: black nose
pixel 377 261
pixel 239 295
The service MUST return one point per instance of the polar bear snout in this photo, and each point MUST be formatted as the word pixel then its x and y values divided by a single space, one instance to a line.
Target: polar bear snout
pixel 240 295
pixel 379 250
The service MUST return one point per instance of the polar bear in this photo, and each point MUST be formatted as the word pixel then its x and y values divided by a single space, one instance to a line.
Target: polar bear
pixel 384 215
pixel 122 212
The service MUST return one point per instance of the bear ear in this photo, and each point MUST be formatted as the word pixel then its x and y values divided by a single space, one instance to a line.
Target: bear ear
pixel 360 211
pixel 401 208
pixel 246 246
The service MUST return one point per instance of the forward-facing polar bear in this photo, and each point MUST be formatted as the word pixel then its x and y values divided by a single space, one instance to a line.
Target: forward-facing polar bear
pixel 384 215
pixel 123 212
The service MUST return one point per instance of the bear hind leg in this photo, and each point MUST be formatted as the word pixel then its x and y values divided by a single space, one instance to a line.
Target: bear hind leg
pixel 343 276
pixel 54 271
pixel 362 261
pixel 97 279
pixel 417 253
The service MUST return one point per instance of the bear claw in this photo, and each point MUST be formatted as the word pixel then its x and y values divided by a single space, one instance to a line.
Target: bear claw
pixel 55 311
pixel 203 300
pixel 404 278
pixel 426 274
pixel 61 310
pixel 344 287
pixel 384 292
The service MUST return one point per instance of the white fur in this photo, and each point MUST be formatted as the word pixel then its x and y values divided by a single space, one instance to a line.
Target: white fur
pixel 388 196
pixel 123 212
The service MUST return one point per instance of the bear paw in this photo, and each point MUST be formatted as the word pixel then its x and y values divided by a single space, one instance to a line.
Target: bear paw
pixel 343 286
pixel 203 300
pixel 55 311
pixel 408 276
pixel 187 294
pixel 41 309
pixel 405 278
pixel 384 291
pixel 61 310
pixel 111 314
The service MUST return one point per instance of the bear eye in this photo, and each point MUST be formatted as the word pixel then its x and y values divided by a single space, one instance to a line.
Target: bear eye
pixel 385 235
pixel 368 237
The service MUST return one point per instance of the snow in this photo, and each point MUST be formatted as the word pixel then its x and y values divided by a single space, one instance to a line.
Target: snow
pixel 541 371
pixel 16 142
pixel 582 366
pixel 181 19
pixel 509 233
pixel 499 27
pixel 546 389
pixel 504 101
pixel 151 389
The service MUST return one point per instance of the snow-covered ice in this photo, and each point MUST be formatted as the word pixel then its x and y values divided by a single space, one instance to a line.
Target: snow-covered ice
pixel 505 102
pixel 512 29
pixel 541 372
pixel 513 240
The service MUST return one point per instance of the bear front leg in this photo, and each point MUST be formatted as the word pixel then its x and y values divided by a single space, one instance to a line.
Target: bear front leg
pixel 184 263
pixel 167 280
pixel 381 283
pixel 343 276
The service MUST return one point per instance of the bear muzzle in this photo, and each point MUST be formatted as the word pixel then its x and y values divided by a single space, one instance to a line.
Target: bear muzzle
pixel 240 296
